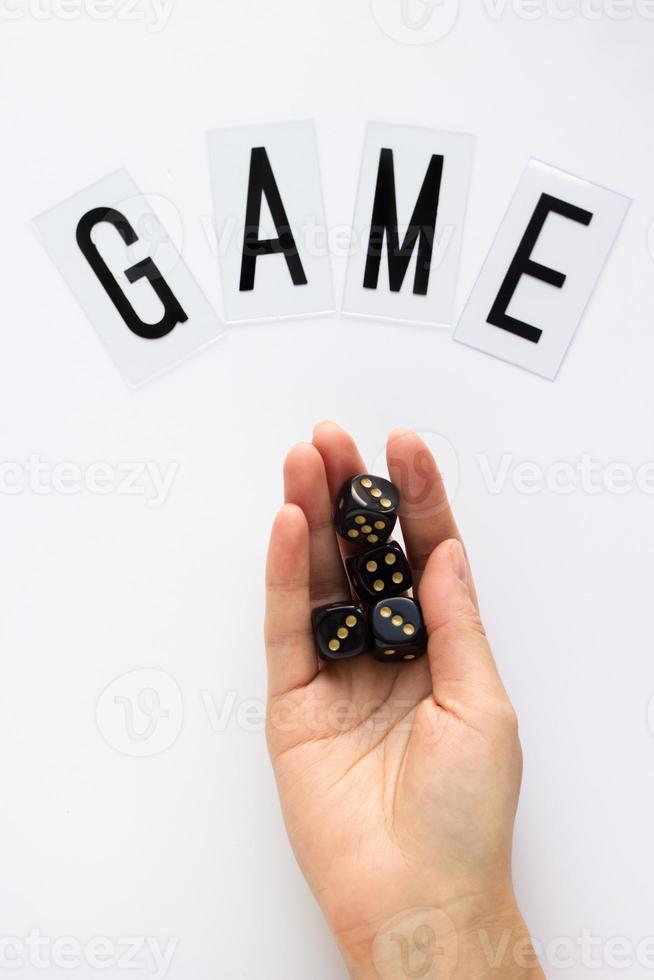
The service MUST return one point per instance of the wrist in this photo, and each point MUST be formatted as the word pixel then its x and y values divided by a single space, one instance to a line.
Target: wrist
pixel 470 940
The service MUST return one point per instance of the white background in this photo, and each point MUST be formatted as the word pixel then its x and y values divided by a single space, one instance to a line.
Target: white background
pixel 189 843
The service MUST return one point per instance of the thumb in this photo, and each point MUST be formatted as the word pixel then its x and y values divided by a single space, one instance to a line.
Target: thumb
pixel 464 675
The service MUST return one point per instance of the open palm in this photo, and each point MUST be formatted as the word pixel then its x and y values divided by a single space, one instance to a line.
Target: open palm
pixel 398 782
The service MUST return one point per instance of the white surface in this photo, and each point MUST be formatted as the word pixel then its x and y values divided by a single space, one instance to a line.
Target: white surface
pixel 413 149
pixel 138 359
pixel 293 157
pixel 563 245
pixel 189 843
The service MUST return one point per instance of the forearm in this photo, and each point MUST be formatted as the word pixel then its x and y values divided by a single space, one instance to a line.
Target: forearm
pixel 429 944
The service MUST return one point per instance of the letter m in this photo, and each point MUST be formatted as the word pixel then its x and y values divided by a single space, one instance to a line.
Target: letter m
pixel 421 231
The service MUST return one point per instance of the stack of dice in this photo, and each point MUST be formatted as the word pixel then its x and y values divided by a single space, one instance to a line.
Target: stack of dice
pixel 384 621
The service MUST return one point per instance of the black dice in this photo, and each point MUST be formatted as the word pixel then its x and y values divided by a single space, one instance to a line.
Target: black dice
pixel 398 630
pixel 366 510
pixel 380 573
pixel 385 622
pixel 341 631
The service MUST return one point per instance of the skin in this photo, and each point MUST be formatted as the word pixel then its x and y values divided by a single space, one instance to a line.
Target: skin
pixel 398 782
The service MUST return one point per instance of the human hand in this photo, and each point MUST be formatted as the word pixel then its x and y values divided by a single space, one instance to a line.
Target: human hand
pixel 398 783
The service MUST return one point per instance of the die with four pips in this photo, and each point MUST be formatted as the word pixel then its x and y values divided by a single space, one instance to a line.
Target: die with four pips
pixel 341 630
pixel 381 572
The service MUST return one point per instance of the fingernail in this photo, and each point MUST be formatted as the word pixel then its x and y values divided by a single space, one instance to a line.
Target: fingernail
pixel 459 563
pixel 326 422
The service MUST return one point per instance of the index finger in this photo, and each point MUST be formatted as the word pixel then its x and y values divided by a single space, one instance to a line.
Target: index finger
pixel 425 513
